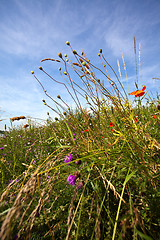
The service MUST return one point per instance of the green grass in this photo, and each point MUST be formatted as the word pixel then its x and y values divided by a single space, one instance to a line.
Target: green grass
pixel 115 149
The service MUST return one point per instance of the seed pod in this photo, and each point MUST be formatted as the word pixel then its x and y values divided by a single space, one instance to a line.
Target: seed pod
pixel 60 55
pixel 76 64
pixel 25 126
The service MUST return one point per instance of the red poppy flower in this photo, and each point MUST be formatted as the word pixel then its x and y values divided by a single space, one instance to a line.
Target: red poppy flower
pixel 139 93
pixel 154 116
pixel 136 119
pixel 86 130
pixel 111 124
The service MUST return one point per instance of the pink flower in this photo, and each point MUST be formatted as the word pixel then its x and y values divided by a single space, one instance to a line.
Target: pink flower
pixel 68 158
pixel 71 179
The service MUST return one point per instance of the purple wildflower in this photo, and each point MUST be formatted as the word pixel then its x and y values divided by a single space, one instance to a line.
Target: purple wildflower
pixel 71 180
pixel 1 148
pixel 68 158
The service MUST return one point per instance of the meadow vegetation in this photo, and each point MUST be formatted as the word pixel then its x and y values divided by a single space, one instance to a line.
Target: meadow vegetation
pixel 90 173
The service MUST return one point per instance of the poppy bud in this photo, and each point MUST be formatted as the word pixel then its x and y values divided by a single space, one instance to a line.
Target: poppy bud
pixel 60 55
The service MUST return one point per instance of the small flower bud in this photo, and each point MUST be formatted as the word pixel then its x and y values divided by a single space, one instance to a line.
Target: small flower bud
pixel 45 90
pixel 65 73
pixel 83 63
pixel 65 55
pixel 59 69
pixel 65 113
pixel 43 100
pixel 40 68
pixel 80 184
pixel 32 72
pixel 100 50
pixel 59 96
pixel 56 118
pixel 98 54
pixel 48 113
pixel 67 60
pixel 60 55
pixel 74 52
pixel 67 43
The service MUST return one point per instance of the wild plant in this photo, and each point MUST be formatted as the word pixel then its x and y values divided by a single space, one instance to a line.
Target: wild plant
pixel 101 180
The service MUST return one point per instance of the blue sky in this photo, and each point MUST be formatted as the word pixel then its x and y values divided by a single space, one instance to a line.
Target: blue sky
pixel 33 30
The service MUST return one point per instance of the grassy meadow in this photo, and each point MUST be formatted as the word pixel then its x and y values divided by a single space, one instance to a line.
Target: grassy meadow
pixel 90 173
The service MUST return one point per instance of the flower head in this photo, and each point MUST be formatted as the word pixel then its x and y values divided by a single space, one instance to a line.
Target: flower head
pixel 111 124
pixel 68 158
pixel 71 179
pixel 139 93
pixel 86 130
pixel 136 119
